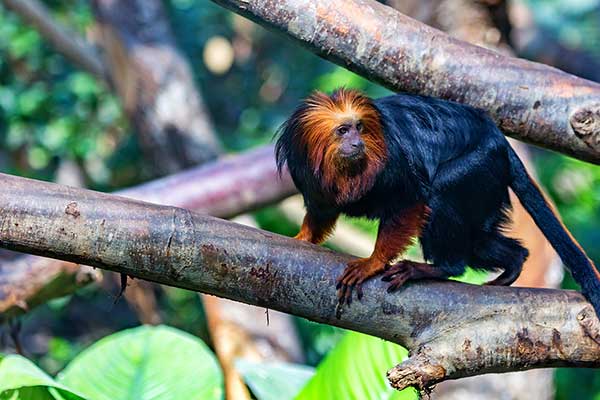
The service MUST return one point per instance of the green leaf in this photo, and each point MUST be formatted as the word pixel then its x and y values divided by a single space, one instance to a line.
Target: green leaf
pixel 355 369
pixel 83 85
pixel 274 381
pixel 146 363
pixel 22 380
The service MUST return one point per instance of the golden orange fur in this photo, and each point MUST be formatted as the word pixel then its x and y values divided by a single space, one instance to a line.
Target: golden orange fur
pixel 324 115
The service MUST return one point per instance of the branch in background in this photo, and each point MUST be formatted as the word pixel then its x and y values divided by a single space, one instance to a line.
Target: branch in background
pixel 67 43
pixel 153 79
pixel 345 237
pixel 142 61
pixel 29 281
pixel 531 102
pixel 224 188
pixel 517 328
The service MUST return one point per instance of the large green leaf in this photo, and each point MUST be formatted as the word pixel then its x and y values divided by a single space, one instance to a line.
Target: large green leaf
pixel 274 381
pixel 146 363
pixel 20 379
pixel 355 369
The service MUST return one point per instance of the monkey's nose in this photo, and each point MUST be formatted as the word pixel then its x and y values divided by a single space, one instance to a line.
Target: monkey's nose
pixel 359 145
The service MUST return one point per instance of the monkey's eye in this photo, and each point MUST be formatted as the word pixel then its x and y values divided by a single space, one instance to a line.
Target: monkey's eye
pixel 342 130
pixel 359 126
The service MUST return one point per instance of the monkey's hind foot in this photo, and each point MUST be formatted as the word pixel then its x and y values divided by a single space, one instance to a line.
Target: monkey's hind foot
pixel 407 270
pixel 355 274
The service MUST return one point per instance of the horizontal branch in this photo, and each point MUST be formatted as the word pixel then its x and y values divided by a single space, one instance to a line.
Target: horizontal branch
pixel 452 329
pixel 529 101
pixel 225 188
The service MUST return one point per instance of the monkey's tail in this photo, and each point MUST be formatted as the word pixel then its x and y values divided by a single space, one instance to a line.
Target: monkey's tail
pixel 570 252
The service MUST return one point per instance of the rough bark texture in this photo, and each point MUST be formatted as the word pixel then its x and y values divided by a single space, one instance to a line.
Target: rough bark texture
pixel 529 101
pixel 224 188
pixel 153 79
pixel 65 42
pixel 452 329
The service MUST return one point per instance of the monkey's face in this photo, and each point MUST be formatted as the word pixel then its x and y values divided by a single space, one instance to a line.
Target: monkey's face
pixel 338 139
pixel 341 133
pixel 350 144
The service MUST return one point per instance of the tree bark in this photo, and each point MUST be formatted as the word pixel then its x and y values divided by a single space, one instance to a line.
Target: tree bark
pixel 224 188
pixel 453 330
pixel 529 101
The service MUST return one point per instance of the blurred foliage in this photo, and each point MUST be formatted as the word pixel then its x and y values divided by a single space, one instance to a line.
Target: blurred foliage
pixel 274 380
pixel 140 363
pixel 250 79
pixel 573 22
pixel 50 111
pixel 353 370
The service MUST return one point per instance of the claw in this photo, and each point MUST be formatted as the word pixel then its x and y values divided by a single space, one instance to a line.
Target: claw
pixel 355 274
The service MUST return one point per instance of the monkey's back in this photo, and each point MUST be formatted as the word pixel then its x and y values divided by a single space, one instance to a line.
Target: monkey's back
pixel 429 132
pixel 459 162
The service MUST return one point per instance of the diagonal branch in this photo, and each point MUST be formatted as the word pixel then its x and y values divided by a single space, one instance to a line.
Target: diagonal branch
pixel 452 329
pixel 67 43
pixel 227 187
pixel 529 101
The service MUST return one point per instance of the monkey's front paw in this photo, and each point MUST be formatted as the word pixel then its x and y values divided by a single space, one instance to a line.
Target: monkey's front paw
pixel 405 270
pixel 355 274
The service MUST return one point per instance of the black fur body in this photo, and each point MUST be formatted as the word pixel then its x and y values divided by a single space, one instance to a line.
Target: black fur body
pixel 454 159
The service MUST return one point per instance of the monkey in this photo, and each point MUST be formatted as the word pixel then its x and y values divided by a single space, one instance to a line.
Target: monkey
pixel 427 169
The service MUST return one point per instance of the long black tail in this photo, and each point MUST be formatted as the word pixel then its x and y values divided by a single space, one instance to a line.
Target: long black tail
pixel 570 252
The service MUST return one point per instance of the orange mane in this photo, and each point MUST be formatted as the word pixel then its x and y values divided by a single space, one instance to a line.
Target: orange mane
pixel 323 115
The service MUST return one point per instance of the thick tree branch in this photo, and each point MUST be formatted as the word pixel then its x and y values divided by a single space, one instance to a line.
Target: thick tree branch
pixel 452 329
pixel 529 101
pixel 224 188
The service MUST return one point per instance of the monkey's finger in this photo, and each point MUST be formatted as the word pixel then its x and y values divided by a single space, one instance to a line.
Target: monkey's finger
pixel 340 293
pixel 359 291
pixel 398 282
pixel 389 275
pixel 349 295
pixel 342 279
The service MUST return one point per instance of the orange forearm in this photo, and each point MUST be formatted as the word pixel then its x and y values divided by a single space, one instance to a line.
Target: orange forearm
pixel 315 229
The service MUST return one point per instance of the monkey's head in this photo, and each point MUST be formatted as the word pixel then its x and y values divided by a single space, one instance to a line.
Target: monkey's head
pixel 337 138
